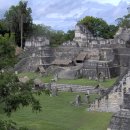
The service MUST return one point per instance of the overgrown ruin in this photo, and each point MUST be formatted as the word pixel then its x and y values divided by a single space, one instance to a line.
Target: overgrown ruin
pixel 85 56
pixel 90 57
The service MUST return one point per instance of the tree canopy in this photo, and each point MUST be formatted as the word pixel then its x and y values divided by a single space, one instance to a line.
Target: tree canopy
pixel 55 37
pixel 124 21
pixel 18 18
pixel 7 51
pixel 98 27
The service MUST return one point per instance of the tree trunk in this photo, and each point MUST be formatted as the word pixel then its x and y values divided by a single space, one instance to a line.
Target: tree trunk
pixel 21 31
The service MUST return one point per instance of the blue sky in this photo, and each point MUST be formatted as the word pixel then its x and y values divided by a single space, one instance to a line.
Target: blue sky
pixel 63 14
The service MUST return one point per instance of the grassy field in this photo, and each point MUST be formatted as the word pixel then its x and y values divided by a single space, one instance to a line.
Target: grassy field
pixel 59 114
pixel 108 83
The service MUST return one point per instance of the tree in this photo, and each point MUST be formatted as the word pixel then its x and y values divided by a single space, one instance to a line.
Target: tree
pixel 55 37
pixel 69 36
pixel 7 51
pixel 13 94
pixel 19 21
pixel 112 30
pixel 98 27
pixel 3 28
pixel 124 21
pixel 40 30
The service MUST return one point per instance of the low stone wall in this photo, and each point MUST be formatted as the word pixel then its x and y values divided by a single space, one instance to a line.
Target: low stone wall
pixel 75 88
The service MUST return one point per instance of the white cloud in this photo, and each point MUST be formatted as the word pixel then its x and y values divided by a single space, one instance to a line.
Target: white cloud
pixel 63 14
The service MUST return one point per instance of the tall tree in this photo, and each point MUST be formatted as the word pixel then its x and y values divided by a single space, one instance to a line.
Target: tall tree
pixel 13 94
pixel 19 21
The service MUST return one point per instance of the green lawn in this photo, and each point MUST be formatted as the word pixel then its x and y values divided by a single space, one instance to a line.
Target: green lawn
pixel 108 83
pixel 46 79
pixel 59 114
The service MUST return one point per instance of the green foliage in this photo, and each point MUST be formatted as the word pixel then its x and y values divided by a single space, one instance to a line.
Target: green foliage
pixel 124 21
pixel 40 30
pixel 98 27
pixel 7 51
pixel 69 35
pixel 10 125
pixel 14 94
pixel 112 31
pixel 56 37
pixel 3 25
pixel 13 20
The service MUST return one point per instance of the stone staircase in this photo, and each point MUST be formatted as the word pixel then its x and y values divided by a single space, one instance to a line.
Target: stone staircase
pixel 32 57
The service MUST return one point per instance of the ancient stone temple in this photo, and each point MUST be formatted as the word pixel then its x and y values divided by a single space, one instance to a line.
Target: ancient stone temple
pixel 85 56
pixel 37 54
pixel 84 38
pixel 94 69
pixel 82 35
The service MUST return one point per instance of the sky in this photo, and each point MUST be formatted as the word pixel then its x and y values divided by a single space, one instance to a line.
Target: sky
pixel 64 14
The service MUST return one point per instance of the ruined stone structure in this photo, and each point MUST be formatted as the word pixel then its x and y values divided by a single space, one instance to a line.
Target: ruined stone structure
pixel 114 98
pixel 88 56
pixel 37 53
pixel 85 56
pixel 121 119
pixel 75 88
pixel 85 38
pixel 94 69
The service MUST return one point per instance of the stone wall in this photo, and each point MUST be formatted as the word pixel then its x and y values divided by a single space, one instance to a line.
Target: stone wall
pixel 66 52
pixel 36 53
pixel 75 88
pixel 37 42
pixel 114 98
pixel 85 38
pixel 120 120
pixel 122 58
pixel 96 68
